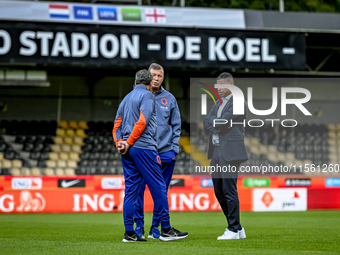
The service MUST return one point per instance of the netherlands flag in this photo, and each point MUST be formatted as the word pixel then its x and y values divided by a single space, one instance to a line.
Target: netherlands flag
pixel 58 11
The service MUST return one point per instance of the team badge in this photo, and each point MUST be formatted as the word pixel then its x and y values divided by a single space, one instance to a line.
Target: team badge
pixel 159 159
pixel 164 101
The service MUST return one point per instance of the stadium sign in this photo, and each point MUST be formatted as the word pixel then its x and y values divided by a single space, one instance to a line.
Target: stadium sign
pixel 251 182
pixel 298 182
pixel 282 199
pixel 126 46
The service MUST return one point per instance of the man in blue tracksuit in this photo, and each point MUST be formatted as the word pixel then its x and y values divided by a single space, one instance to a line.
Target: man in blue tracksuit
pixel 134 133
pixel 168 134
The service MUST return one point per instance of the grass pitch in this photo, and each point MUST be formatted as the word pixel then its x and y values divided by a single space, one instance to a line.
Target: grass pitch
pixel 102 233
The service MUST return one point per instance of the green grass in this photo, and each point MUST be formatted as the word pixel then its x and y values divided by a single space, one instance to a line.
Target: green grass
pixel 102 233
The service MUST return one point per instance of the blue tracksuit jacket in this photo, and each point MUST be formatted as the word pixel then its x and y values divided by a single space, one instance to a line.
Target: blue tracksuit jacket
pixel 168 121
pixel 135 121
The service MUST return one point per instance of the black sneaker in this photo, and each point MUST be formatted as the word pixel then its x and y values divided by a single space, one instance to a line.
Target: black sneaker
pixel 132 238
pixel 172 234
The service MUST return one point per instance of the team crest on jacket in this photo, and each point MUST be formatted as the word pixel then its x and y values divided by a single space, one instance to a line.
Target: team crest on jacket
pixel 164 101
pixel 159 159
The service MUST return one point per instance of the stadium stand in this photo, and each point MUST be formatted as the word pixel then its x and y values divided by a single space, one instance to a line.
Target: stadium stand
pixel 80 148
pixel 65 148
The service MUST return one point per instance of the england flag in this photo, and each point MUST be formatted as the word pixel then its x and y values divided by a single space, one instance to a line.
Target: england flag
pixel 155 15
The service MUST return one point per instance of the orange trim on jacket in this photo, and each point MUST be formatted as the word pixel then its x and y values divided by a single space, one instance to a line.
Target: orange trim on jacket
pixel 137 129
pixel 114 130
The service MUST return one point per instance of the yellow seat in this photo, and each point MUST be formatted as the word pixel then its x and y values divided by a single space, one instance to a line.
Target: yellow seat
pixel 63 156
pixel 49 172
pixel 74 156
pixel 73 124
pixel 78 140
pixel 72 163
pixel 70 132
pixel 83 124
pixel 76 148
pixel 1 156
pixel 60 132
pixel 53 156
pixel 58 140
pixel 51 163
pixel 61 163
pixel 35 171
pixel 26 171
pixel 16 172
pixel 6 164
pixel 68 140
pixel 16 163
pixel 81 133
pixel 55 148
pixel 66 148
pixel 60 171
pixel 69 172
pixel 63 124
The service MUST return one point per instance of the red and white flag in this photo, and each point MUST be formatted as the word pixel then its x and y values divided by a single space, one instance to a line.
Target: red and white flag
pixel 155 15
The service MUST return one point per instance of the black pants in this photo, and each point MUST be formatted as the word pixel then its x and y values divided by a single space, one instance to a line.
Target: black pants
pixel 226 190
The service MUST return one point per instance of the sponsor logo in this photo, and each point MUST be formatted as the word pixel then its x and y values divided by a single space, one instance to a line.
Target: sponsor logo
pixel 267 199
pixel 177 183
pixel 71 183
pixel 95 202
pixel 26 183
pixel 333 182
pixel 206 183
pixel 256 182
pixel 298 182
pixel 280 199
pixel 7 203
pixel 164 101
pixel 82 12
pixel 155 15
pixel 131 14
pixel 159 159
pixel 30 202
pixel 59 11
pixel 107 13
pixel 112 183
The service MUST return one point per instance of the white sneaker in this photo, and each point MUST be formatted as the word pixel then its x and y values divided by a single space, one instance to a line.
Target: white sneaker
pixel 228 235
pixel 242 233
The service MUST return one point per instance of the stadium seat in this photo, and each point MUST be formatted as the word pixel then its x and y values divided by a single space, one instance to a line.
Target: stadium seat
pixel 49 172
pixel 53 156
pixel 72 164
pixel 70 172
pixel 63 156
pixel 73 124
pixel 66 148
pixel 35 171
pixel 59 172
pixel 26 171
pixel 60 132
pixel 78 140
pixel 15 172
pixel 80 133
pixel 51 163
pixel 82 124
pixel 76 148
pixel 63 124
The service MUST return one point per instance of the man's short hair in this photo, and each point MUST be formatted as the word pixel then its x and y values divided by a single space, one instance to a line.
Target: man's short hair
pixel 156 66
pixel 143 77
pixel 226 76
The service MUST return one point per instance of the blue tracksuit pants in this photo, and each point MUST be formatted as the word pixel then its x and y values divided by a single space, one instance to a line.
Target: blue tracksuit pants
pixel 168 164
pixel 142 164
